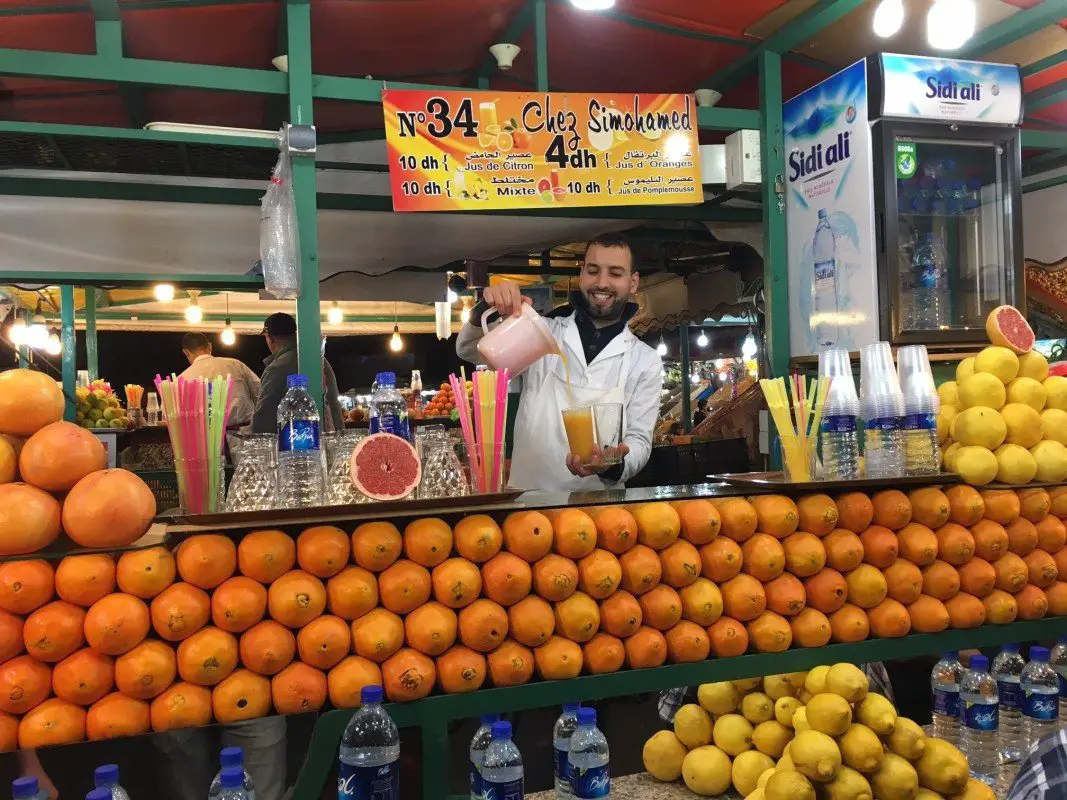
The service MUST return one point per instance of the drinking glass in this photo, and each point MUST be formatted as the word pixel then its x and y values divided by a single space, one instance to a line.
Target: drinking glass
pixel 442 472
pixel 607 428
pixel 255 477
pixel 340 491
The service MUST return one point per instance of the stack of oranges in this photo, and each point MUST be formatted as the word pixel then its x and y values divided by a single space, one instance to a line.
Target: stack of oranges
pixel 444 401
pixel 98 647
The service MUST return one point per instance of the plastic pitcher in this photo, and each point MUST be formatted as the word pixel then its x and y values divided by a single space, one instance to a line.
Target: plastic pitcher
pixel 516 342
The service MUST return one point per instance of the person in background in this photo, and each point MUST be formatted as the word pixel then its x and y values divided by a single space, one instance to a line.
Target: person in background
pixel 203 364
pixel 280 332
pixel 701 412
pixel 1043 773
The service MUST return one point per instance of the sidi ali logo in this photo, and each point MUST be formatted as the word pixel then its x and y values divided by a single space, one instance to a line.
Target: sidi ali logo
pixel 850 114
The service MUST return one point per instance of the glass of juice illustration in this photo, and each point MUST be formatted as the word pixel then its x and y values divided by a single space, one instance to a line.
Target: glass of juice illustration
pixel 578 422
pixel 553 177
pixel 487 116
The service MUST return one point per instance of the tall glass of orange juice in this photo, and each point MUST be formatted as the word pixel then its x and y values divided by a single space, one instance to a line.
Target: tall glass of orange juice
pixel 487 116
pixel 578 422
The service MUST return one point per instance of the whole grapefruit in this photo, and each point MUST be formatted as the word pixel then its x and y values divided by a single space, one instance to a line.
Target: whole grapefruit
pixel 29 519
pixel 29 400
pixel 111 508
pixel 59 455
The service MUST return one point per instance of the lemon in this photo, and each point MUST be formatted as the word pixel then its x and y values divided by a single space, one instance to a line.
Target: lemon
pixel 816 680
pixel 999 361
pixel 1051 458
pixel 804 696
pixel 1016 464
pixel 718 698
pixel 895 779
pixel 766 776
pixel 663 755
pixel 800 720
pixel 927 794
pixel 706 771
pixel 1055 392
pixel 975 790
pixel 746 769
pixel 829 713
pixel 981 426
pixel 692 726
pixel 796 679
pixel 964 369
pixel 815 755
pixel 848 785
pixel 1023 424
pixel 733 734
pixel 976 465
pixel 771 737
pixel 788 784
pixel 877 713
pixel 757 794
pixel 861 748
pixel 942 767
pixel 944 421
pixel 982 389
pixel 785 762
pixel 848 681
pixel 1027 391
pixel 784 708
pixel 746 685
pixel 1033 365
pixel 757 707
pixel 1054 424
pixel 948 456
pixel 777 687
pixel 948 393
pixel 907 739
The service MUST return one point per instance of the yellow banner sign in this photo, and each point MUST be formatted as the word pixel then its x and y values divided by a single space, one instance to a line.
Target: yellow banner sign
pixel 472 151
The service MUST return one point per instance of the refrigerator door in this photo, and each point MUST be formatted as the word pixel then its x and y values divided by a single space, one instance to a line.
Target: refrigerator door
pixel 950 248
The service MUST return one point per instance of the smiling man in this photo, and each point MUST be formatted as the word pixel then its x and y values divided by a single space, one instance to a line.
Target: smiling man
pixel 607 364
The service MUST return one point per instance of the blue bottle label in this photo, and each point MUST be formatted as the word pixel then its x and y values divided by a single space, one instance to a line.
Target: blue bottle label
pixel 505 790
pixel 563 765
pixel 476 781
pixel 920 422
pixel 947 703
pixel 299 435
pixel 883 424
pixel 391 423
pixel 1063 686
pixel 591 782
pixel 368 783
pixel 1039 706
pixel 1010 693
pixel 980 716
pixel 839 424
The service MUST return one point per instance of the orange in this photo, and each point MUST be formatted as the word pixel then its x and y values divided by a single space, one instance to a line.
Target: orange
pixel 478 538
pixel 599 573
pixel 1032 602
pixel 739 519
pixel 889 619
pixel 116 623
pixel 1022 536
pixel 10 636
pixel 183 705
pixel 855 511
pixel 743 598
pixel 721 559
pixel 661 608
pixel 1000 607
pixel 25 585
pixel 955 544
pixel 805 554
pixel 658 524
pixel 558 659
pixel 84 677
pixel 24 683
pixel 408 675
pixel 31 401
pixel 117 715
pixel 699 519
pixel 620 614
pixel 763 557
pixel 616 528
pixel 680 564
pixel 1060 557
pixel 701 602
pixel 430 629
pixel 145 573
pixel 604 653
pixel 867 586
pixel 9 733
pixel 298 688
pixel 574 532
pixel 322 550
pixel 1041 568
pixel 977 577
pixel 785 595
pixel 965 611
pixel 1012 573
pixel 208 656
pixel 456 582
pixel 483 625
pixel 83 580
pixel 427 541
pixel 849 624
pixel 30 518
pixel 776 515
pixel 928 615
pixel 267 647
pixel 578 617
pixel 145 671
pixel 555 578
pixel 686 642
pixel 818 514
pixel 941 580
pixel 460 670
pixel 1058 499
pixel 990 539
pixel 892 509
pixel 918 544
pixel 506 579
pixel 206 560
pixel 111 508
pixel 528 534
pixel 810 628
pixel 1001 505
pixel 1051 535
pixel 241 695
pixel 377 635
pixel 54 631
pixel 728 637
pixel 844 550
pixel 929 506
pixel 351 593
pixel 297 597
pixel 1056 594
pixel 511 664
pixel 904 581
pixel 1034 504
pixel 323 642
pixel 641 569
pixel 827 591
pixel 238 604
pixel 770 633
pixel 51 723
pixel 880 545
pixel 179 611
pixel 965 505
pixel 531 621
pixel 265 556
pixel 376 545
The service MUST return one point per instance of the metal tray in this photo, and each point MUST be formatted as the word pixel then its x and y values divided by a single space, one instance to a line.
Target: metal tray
pixel 766 480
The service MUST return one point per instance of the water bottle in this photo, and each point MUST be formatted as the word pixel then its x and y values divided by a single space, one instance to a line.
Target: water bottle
pixel 1007 667
pixel 231 780
pixel 388 410
pixel 837 434
pixel 1041 689
pixel 502 770
pixel 945 683
pixel 479 744
pixel 300 458
pixel 931 283
pixel 99 793
pixel 590 775
pixel 561 745
pixel 1057 659
pixel 978 715
pixel 922 451
pixel 107 777
pixel 882 409
pixel 370 752
pixel 27 788
pixel 824 311
pixel 231 757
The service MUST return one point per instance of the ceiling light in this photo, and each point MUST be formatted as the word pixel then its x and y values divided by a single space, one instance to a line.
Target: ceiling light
pixel 194 315
pixel 37 333
pixel 17 333
pixel 164 292
pixel 53 346
pixel 661 348
pixel 228 336
pixel 592 5
pixel 748 347
pixel 694 378
pixel 888 18
pixel 465 313
pixel 702 339
pixel 676 147
pixel 718 363
pixel 950 23
pixel 335 316
pixel 396 344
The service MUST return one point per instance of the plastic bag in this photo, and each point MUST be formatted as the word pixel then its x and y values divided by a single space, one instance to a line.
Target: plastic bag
pixel 279 241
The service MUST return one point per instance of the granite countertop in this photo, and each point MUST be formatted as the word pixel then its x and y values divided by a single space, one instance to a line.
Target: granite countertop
pixel 641 786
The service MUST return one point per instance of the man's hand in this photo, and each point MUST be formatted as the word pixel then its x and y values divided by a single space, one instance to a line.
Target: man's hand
pixel 506 298
pixel 602 460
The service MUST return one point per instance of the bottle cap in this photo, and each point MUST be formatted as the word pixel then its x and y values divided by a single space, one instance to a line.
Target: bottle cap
pixel 571 706
pixel 979 663
pixel 232 777
pixel 296 380
pixel 24 787
pixel 950 655
pixel 501 730
pixel 1039 654
pixel 231 757
pixel 99 793
pixel 370 694
pixel 586 716
pixel 386 378
pixel 822 213
pixel 1009 647
pixel 489 719
pixel 1062 640
pixel 107 773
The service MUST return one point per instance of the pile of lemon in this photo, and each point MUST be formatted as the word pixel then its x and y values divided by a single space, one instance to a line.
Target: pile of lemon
pixel 1004 419
pixel 805 735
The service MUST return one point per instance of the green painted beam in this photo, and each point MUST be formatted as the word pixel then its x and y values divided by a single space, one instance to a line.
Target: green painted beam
pixel 114 280
pixel 130 5
pixel 1048 62
pixel 775 252
pixel 179 316
pixel 1048 183
pixel 541 45
pixel 49 129
pixel 92 355
pixel 1044 140
pixel 1052 159
pixel 514 31
pixel 687 386
pixel 351 166
pixel 1046 96
pixel 69 365
pixel 1010 29
pixel 728 119
pixel 110 45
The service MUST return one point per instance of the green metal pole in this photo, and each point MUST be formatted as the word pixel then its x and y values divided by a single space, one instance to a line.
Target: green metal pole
pixel 775 264
pixel 308 322
pixel 687 387
pixel 541 38
pixel 66 316
pixel 92 354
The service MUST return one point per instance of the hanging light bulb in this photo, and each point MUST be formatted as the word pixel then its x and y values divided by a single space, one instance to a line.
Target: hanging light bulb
pixel 53 347
pixel 335 316
pixel 37 333
pixel 228 335
pixel 702 339
pixel 950 23
pixel 748 347
pixel 396 344
pixel 465 312
pixel 593 5
pixel 163 292
pixel 694 378
pixel 888 18
pixel 661 348
pixel 17 332
pixel 194 315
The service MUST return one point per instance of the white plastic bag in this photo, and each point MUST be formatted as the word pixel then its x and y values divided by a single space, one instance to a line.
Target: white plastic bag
pixel 279 241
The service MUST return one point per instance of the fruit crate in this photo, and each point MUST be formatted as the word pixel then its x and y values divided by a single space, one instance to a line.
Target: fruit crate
pixel 433 714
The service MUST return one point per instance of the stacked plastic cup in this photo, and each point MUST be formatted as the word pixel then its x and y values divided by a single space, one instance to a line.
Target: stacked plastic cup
pixel 922 451
pixel 837 434
pixel 882 409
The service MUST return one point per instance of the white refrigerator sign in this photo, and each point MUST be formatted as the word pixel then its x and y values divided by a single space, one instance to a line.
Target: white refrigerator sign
pixel 950 90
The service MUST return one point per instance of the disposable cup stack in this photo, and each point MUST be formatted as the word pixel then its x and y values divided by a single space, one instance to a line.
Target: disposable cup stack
pixel 917 380
pixel 880 395
pixel 841 399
